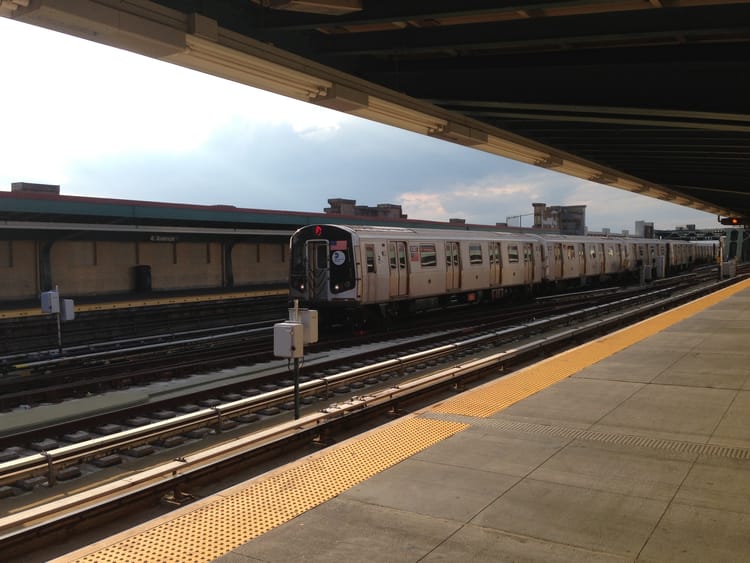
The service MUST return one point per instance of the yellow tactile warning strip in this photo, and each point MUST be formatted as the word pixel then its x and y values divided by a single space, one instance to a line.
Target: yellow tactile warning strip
pixel 211 529
pixel 493 397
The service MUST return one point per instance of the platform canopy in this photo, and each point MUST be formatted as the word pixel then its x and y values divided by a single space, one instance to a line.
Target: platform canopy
pixel 651 96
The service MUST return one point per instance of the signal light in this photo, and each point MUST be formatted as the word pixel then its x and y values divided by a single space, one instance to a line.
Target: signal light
pixel 733 221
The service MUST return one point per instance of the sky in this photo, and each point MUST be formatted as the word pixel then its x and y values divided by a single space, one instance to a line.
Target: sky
pixel 102 122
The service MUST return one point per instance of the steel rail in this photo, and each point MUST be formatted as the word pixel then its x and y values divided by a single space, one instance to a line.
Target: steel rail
pixel 263 326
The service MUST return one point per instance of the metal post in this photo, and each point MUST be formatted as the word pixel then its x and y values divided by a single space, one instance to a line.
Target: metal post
pixel 59 329
pixel 51 473
pixel 59 334
pixel 294 316
pixel 296 388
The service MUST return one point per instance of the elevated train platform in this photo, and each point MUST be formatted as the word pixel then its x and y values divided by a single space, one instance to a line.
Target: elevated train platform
pixel 10 310
pixel 633 447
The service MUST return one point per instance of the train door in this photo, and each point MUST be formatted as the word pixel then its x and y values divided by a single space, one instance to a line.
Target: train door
pixel 397 265
pixel 661 260
pixel 671 257
pixel 627 258
pixel 318 270
pixel 452 266
pixel 528 263
pixel 581 259
pixel 371 275
pixel 557 269
pixel 496 266
pixel 590 258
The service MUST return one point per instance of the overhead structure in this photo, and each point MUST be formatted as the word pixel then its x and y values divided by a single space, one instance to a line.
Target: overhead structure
pixel 651 96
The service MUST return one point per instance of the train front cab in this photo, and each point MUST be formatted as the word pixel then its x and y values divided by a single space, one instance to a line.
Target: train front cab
pixel 323 266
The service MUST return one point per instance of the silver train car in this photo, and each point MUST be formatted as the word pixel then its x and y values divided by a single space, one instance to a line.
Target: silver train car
pixel 398 270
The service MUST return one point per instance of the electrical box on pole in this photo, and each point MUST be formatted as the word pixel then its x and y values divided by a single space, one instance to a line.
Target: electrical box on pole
pixel 67 311
pixel 50 302
pixel 309 319
pixel 288 339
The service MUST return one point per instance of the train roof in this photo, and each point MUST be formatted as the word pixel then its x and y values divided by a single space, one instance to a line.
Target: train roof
pixel 379 232
pixel 409 233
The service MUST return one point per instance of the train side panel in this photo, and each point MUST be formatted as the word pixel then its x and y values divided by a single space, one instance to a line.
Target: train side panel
pixel 394 268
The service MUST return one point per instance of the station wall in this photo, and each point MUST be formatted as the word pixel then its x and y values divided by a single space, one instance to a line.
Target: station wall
pixel 91 267
pixel 260 263
pixel 19 276
pixel 182 265
pixel 96 267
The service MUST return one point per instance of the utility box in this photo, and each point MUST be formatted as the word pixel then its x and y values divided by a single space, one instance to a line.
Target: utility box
pixel 309 318
pixel 50 302
pixel 67 311
pixel 729 269
pixel 288 339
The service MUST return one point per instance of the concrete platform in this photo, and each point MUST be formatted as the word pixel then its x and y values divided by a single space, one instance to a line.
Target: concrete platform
pixel 641 456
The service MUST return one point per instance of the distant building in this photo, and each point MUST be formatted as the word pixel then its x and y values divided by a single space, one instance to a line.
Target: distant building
pixel 566 219
pixel 32 187
pixel 340 206
pixel 644 229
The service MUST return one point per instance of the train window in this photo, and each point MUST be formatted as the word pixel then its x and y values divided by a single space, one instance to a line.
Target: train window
pixel 593 252
pixel 528 253
pixel 610 251
pixel 370 258
pixel 571 252
pixel 513 253
pixel 392 256
pixel 402 257
pixel 475 253
pixel 427 255
pixel 321 257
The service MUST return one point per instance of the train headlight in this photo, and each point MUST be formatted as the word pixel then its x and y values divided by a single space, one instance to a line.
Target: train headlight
pixel 336 287
pixel 301 286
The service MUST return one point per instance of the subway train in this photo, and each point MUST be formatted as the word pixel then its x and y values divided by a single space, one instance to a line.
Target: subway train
pixel 395 271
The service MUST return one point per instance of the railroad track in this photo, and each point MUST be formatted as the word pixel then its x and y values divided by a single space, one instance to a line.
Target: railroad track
pixel 420 375
pixel 52 380
pixel 37 336
pixel 138 363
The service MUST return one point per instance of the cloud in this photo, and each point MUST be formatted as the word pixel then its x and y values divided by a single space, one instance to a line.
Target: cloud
pixel 488 200
pixel 107 123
